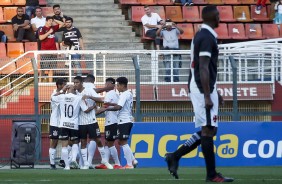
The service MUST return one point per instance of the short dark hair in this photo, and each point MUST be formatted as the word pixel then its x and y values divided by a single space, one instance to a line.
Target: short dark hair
pixel 110 79
pixel 90 78
pixel 79 78
pixel 56 6
pixel 19 8
pixel 60 81
pixel 49 17
pixel 207 10
pixel 146 6
pixel 38 7
pixel 69 18
pixel 122 80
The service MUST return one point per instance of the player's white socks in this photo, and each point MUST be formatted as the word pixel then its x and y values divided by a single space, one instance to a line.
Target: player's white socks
pixel 52 153
pixel 69 154
pixel 114 154
pixel 107 153
pixel 84 156
pixel 103 154
pixel 79 155
pixel 127 154
pixel 65 156
pixel 91 151
pixel 74 151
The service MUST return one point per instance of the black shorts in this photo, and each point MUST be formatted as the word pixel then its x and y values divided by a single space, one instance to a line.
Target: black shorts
pixel 111 132
pixel 68 134
pixel 124 130
pixel 54 132
pixel 92 130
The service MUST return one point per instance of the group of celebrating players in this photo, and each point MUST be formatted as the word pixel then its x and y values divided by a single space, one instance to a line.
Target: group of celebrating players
pixel 73 120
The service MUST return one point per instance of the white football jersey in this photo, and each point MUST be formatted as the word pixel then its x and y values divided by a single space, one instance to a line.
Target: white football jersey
pixel 70 106
pixel 55 112
pixel 89 85
pixel 111 116
pixel 88 118
pixel 126 101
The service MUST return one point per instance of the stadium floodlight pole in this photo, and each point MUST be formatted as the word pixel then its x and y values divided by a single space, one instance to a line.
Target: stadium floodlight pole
pixel 235 116
pixel 135 60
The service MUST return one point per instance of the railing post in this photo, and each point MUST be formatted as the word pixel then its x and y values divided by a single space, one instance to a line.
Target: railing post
pixel 235 85
pixel 135 60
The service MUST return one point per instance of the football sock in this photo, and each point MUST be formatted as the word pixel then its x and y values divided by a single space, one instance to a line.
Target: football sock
pixel 102 153
pixel 207 149
pixel 52 153
pixel 91 151
pixel 69 153
pixel 127 154
pixel 114 154
pixel 84 156
pixel 74 152
pixel 65 156
pixel 107 153
pixel 189 145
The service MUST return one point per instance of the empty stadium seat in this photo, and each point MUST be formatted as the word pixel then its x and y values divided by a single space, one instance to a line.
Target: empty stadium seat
pixel 3 51
pixel 164 2
pixel 159 10
pixel 254 31
pixel 24 66
pixel 199 2
pixel 259 17
pixel 137 13
pixel 188 31
pixel 226 13
pixel 237 31
pixel 30 46
pixel 242 13
pixel 129 2
pixel 270 31
pixel 231 1
pixel 222 31
pixel 42 2
pixel 2 20
pixel 147 2
pixel 47 11
pixel 248 1
pixel 191 14
pixel 14 49
pixel 214 1
pixel 18 2
pixel 8 30
pixel 9 68
pixel 9 13
pixel 6 2
pixel 174 13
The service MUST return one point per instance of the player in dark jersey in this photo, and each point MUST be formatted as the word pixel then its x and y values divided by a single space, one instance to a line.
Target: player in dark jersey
pixel 204 96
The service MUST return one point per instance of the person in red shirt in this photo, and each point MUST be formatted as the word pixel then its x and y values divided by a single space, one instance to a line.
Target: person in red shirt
pixel 48 42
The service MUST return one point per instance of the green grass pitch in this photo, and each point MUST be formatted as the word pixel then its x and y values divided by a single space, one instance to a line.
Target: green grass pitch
pixel 245 175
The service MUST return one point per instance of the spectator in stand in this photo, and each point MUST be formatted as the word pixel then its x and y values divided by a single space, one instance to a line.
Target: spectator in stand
pixel 170 32
pixel 187 2
pixel 48 42
pixel 30 7
pixel 152 22
pixel 21 26
pixel 58 15
pixel 37 22
pixel 278 15
pixel 3 37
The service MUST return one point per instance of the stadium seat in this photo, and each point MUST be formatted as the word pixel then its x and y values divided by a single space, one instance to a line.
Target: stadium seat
pixel 222 31
pixel 237 31
pixel 199 2
pixel 6 2
pixel 42 2
pixel 147 2
pixel 174 13
pixel 242 13
pixel 270 31
pixel 188 31
pixel 129 2
pixel 14 49
pixel 47 11
pixel 30 46
pixel 19 2
pixel 9 13
pixel 259 17
pixel 226 13
pixel 197 27
pixel 9 68
pixel 137 13
pixel 248 1
pixel 231 1
pixel 214 1
pixel 24 66
pixel 2 20
pixel 8 30
pixel 191 14
pixel 254 31
pixel 164 2
pixel 3 51
pixel 159 10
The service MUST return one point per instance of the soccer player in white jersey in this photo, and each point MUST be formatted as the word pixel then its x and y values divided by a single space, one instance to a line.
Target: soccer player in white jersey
pixel 70 105
pixel 125 119
pixel 88 125
pixel 89 83
pixel 54 124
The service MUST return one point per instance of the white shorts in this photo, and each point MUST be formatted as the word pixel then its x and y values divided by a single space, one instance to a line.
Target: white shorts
pixel 203 117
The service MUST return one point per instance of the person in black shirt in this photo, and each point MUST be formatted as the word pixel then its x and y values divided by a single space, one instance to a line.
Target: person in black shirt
pixel 30 7
pixel 204 96
pixel 21 26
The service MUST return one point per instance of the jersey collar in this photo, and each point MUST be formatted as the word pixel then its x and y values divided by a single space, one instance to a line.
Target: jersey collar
pixel 205 26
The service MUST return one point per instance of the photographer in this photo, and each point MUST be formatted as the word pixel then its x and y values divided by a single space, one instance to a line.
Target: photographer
pixel 170 32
